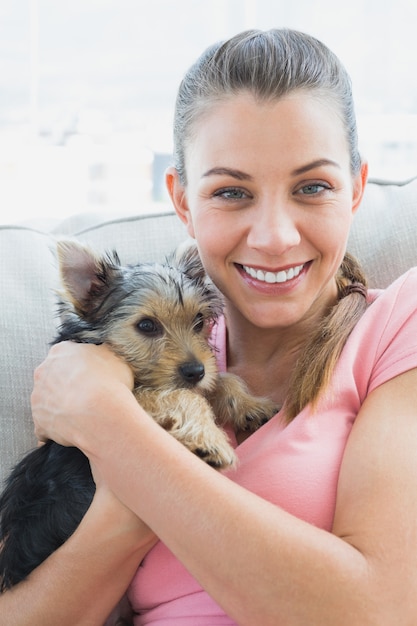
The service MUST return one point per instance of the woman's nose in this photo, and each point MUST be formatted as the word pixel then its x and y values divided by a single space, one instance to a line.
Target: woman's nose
pixel 273 229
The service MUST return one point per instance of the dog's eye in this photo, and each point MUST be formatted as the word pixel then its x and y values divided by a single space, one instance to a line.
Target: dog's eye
pixel 149 327
pixel 198 323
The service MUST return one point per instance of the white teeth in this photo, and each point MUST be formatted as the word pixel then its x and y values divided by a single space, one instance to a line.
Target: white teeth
pixel 273 277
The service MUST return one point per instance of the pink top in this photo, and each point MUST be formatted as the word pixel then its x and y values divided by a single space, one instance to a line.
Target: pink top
pixel 294 466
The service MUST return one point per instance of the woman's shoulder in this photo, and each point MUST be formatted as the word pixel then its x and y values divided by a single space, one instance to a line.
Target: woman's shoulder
pixel 392 308
pixel 402 292
pixel 384 342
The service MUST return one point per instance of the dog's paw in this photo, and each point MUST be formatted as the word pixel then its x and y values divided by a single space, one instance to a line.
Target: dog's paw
pixel 188 417
pixel 217 458
pixel 233 403
pixel 215 450
pixel 203 437
pixel 258 412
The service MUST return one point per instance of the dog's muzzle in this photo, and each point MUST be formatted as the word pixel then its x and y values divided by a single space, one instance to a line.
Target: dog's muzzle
pixel 192 372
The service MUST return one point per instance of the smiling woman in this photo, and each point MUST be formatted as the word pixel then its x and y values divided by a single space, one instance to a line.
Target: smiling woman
pixel 261 210
pixel 267 202
pixel 305 530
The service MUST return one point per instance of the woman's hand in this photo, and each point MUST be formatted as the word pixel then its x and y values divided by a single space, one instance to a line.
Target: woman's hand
pixel 73 384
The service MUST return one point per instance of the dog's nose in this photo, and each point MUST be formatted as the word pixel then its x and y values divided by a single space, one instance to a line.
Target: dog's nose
pixel 192 372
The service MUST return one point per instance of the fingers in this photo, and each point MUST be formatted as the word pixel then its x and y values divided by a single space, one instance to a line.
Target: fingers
pixel 73 381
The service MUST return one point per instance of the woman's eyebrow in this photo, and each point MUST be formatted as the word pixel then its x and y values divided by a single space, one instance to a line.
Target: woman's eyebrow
pixel 239 175
pixel 226 171
pixel 311 166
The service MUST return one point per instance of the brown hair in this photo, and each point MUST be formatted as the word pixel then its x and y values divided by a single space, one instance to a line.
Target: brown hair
pixel 270 65
pixel 317 361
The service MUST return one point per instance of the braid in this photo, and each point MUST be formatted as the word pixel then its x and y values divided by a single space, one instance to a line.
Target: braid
pixel 316 364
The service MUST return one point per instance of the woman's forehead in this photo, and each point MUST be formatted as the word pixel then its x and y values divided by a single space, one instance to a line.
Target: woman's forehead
pixel 241 128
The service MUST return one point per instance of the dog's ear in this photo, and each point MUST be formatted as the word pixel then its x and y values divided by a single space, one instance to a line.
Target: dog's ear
pixel 86 277
pixel 188 260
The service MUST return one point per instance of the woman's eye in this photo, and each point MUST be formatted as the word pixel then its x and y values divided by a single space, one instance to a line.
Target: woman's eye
pixel 313 189
pixel 231 193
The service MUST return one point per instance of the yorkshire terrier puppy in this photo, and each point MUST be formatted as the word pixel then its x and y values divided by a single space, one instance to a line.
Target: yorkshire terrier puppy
pixel 158 318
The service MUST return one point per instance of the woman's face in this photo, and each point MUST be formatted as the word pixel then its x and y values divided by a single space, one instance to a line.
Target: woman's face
pixel 269 199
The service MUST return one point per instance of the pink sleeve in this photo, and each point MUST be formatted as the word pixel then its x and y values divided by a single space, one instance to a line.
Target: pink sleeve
pixel 396 352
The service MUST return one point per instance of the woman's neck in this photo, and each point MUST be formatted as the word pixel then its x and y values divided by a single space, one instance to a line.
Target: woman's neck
pixel 263 358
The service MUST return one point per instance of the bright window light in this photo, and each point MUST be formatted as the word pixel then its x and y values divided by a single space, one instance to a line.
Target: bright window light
pixel 87 90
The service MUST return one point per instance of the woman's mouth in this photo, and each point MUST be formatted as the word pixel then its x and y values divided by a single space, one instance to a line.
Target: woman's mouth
pixel 273 277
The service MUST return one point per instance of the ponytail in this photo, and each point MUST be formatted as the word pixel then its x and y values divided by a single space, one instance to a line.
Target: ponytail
pixel 316 364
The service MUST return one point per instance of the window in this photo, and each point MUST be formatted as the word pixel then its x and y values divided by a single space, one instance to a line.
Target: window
pixel 87 90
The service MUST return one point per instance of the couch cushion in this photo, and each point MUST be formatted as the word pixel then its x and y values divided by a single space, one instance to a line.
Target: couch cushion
pixel 27 277
pixel 384 233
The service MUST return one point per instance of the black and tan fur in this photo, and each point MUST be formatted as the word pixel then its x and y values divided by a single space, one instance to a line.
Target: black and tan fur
pixel 158 318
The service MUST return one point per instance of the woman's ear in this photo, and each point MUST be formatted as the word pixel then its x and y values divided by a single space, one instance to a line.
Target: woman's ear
pixel 359 186
pixel 178 196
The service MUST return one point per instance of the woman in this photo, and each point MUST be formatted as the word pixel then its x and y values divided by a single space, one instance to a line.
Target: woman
pixel 318 524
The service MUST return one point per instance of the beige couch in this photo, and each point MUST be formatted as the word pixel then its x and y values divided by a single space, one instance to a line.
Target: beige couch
pixel 384 237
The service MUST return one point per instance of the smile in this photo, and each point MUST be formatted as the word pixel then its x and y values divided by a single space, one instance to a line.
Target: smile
pixel 273 277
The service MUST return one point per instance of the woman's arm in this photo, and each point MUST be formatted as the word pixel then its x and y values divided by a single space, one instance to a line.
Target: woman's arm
pixel 265 566
pixel 83 580
pixel 261 564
